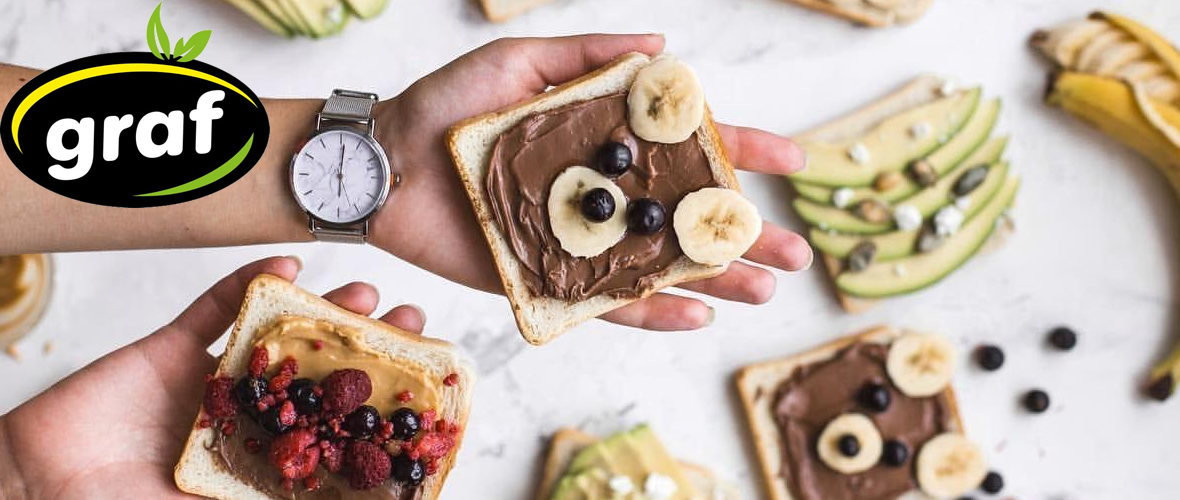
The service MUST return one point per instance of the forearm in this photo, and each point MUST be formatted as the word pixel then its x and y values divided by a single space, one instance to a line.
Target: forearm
pixel 12 486
pixel 258 208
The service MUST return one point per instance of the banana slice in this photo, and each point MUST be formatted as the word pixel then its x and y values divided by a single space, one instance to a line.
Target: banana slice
pixel 578 235
pixel 949 465
pixel 868 440
pixel 921 364
pixel 716 226
pixel 1140 71
pixel 666 102
pixel 1163 87
pixel 1115 56
pixel 1063 44
pixel 1093 51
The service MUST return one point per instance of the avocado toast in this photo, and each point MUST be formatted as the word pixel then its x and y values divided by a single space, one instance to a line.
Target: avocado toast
pixel 903 192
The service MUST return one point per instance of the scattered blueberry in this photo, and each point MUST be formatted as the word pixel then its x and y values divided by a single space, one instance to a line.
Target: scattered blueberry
pixel 1063 338
pixel 408 471
pixel 250 390
pixel 301 392
pixel 598 205
pixel 363 422
pixel 990 357
pixel 993 483
pixel 849 446
pixel 875 397
pixel 405 424
pixel 646 216
pixel 895 453
pixel 1036 401
pixel 613 159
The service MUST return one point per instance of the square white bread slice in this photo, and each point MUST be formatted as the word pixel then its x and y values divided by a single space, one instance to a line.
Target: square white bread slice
pixel 757 384
pixel 269 298
pixel 499 11
pixel 568 442
pixel 471 142
pixel 918 92
pixel 865 13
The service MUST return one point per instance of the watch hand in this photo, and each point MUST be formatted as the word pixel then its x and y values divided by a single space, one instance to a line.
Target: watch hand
pixel 340 173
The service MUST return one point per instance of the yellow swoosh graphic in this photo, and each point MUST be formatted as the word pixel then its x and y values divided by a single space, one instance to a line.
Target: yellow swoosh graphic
pixel 110 69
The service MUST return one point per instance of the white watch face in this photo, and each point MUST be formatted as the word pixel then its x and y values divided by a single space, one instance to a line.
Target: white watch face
pixel 340 176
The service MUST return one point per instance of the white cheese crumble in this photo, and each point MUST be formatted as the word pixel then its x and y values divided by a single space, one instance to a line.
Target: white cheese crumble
pixel 621 485
pixel 949 86
pixel 907 217
pixel 963 202
pixel 842 196
pixel 859 154
pixel 948 220
pixel 659 487
pixel 921 130
pixel 898 270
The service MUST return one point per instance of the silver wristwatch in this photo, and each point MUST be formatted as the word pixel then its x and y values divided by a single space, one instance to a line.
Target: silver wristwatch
pixel 341 177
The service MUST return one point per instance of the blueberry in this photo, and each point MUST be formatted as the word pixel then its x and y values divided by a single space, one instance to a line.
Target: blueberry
pixel 269 420
pixel 363 422
pixel 894 453
pixel 598 205
pixel 1036 401
pixel 405 424
pixel 875 397
pixel 848 444
pixel 993 483
pixel 989 357
pixel 250 390
pixel 1063 338
pixel 302 394
pixel 613 159
pixel 646 216
pixel 408 471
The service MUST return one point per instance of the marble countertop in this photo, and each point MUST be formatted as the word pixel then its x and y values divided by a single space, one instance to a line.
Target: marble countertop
pixel 1096 230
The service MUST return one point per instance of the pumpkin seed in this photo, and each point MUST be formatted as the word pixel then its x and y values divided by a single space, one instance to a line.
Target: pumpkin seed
pixel 923 173
pixel 970 180
pixel 861 256
pixel 874 211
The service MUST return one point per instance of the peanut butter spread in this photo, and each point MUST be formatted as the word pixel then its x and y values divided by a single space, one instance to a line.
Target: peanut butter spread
pixel 24 292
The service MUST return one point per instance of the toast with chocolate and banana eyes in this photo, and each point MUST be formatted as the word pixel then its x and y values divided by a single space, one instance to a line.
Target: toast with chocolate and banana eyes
pixel 872 415
pixel 603 191
pixel 315 402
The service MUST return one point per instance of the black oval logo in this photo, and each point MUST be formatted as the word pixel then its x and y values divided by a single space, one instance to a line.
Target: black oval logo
pixel 133 130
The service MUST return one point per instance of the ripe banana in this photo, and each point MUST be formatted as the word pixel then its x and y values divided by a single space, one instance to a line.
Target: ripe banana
pixel 666 103
pixel 921 364
pixel 578 235
pixel 868 444
pixel 949 466
pixel 716 226
pixel 1124 79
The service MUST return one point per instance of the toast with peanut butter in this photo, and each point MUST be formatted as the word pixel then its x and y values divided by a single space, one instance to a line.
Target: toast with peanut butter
pixel 313 401
pixel 603 191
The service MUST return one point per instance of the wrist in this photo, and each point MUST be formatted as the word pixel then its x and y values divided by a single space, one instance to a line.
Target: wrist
pixel 12 485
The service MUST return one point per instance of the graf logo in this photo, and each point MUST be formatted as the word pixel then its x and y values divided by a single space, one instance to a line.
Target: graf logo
pixel 136 129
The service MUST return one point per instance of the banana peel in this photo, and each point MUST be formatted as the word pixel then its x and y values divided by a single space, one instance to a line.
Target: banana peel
pixel 1132 110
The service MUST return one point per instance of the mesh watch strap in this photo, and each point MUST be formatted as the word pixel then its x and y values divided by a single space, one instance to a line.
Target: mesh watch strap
pixel 350 107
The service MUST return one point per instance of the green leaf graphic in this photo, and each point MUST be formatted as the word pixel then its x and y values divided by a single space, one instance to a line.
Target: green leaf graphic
pixel 194 47
pixel 155 32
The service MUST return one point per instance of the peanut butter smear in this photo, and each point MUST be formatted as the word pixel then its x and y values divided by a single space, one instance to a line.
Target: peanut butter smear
pixel 322 348
pixel 24 293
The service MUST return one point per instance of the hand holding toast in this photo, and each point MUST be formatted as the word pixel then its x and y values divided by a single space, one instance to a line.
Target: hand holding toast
pixel 115 428
pixel 429 222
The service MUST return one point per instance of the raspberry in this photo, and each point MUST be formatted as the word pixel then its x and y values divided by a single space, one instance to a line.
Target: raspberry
pixel 229 427
pixel 332 456
pixel 287 413
pixel 451 380
pixel 259 360
pixel 405 396
pixel 219 398
pixel 287 370
pixel 317 345
pixel 345 391
pixel 426 419
pixel 368 465
pixel 433 445
pixel 295 454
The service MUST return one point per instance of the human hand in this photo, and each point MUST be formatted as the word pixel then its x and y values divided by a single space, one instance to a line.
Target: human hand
pixel 116 428
pixel 429 222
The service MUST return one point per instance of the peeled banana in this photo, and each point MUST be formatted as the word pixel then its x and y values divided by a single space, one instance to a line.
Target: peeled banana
pixel 1124 79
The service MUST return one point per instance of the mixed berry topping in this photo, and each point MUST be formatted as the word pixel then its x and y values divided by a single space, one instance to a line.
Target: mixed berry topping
pixel 326 425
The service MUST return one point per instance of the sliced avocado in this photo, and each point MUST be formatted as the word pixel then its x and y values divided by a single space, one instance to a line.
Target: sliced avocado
pixel 587 485
pixel 881 280
pixel 367 9
pixel 321 17
pixel 890 145
pixel 636 453
pixel 283 15
pixel 262 16
pixel 927 201
pixel 974 133
pixel 900 244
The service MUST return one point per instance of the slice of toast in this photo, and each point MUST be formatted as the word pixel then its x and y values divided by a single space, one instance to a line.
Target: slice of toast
pixel 866 13
pixel 757 384
pixel 499 11
pixel 200 470
pixel 568 442
pixel 471 142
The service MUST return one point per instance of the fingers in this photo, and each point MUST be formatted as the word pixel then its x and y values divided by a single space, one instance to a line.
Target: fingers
pixel 407 317
pixel 779 248
pixel 557 60
pixel 213 312
pixel 358 297
pixel 663 312
pixel 740 283
pixel 760 151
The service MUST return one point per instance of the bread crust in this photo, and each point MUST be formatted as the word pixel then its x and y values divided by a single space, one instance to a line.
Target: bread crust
pixel 199 470
pixel 498 11
pixel 757 383
pixel 868 15
pixel 541 319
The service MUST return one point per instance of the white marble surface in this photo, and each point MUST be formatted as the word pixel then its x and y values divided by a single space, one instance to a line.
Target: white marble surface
pixel 1097 228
